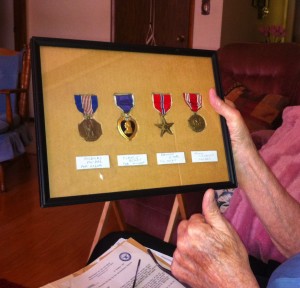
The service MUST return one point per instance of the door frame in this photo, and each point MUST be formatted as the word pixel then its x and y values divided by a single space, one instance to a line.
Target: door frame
pixel 20 24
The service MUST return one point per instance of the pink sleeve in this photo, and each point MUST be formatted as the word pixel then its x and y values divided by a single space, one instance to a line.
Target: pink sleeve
pixel 282 155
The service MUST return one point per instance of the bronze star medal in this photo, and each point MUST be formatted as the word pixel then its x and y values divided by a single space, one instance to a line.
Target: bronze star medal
pixel 194 101
pixel 164 126
pixel 89 129
pixel 162 103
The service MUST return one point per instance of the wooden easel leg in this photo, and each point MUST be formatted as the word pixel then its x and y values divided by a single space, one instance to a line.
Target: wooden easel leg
pixel 178 208
pixel 104 219
pixel 181 206
pixel 119 216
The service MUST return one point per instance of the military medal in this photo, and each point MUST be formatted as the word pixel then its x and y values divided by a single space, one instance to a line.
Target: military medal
pixel 194 101
pixel 162 103
pixel 89 128
pixel 127 126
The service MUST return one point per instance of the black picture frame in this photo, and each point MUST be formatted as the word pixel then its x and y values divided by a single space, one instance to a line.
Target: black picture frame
pixel 63 68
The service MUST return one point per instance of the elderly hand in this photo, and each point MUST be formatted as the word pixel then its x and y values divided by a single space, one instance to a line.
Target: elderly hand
pixel 236 125
pixel 244 150
pixel 209 252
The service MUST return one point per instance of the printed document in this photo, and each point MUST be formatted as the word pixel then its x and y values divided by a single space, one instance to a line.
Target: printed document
pixel 126 263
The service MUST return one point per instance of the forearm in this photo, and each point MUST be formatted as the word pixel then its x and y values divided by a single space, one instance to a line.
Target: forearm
pixel 277 210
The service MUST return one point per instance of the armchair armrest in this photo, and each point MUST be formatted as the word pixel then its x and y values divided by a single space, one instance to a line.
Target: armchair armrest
pixel 7 93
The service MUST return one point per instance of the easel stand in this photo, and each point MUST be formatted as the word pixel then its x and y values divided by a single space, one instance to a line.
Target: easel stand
pixel 113 206
pixel 177 209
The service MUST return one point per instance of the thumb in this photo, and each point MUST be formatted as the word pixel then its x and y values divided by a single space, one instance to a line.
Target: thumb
pixel 211 211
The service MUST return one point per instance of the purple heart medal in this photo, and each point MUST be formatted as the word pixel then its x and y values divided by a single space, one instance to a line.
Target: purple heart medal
pixel 127 126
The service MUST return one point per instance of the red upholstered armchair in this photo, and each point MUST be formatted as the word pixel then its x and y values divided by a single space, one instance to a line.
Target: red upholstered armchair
pixel 261 79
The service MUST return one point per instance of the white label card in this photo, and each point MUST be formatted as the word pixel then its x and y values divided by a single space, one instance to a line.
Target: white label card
pixel 204 156
pixel 170 158
pixel 132 160
pixel 92 162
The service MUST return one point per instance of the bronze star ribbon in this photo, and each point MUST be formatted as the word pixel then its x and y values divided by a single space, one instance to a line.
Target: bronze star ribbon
pixel 162 103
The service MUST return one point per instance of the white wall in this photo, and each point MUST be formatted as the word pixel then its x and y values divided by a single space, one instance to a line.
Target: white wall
pixel 74 19
pixel 71 19
pixel 207 28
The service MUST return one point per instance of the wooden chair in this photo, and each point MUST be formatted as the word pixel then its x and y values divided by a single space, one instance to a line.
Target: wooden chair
pixel 14 106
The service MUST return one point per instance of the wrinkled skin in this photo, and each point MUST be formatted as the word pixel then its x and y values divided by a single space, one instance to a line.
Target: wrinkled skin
pixel 259 184
pixel 209 252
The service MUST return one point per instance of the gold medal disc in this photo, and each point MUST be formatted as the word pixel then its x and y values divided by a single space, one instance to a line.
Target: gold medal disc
pixel 90 130
pixel 197 123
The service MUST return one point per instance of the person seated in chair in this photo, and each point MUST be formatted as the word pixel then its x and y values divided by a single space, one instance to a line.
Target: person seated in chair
pixel 209 251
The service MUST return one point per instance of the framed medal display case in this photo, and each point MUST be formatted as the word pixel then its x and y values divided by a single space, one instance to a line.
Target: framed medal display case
pixel 117 121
